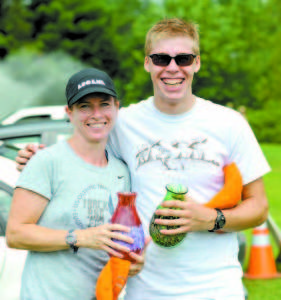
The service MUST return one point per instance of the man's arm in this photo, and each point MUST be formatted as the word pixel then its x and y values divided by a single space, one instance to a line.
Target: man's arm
pixel 251 212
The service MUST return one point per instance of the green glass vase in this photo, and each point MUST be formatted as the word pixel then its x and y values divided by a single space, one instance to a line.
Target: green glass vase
pixel 174 192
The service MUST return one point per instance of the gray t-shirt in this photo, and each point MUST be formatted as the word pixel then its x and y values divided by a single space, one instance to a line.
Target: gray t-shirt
pixel 80 196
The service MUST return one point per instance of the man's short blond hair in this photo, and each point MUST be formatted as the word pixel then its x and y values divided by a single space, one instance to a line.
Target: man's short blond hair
pixel 170 28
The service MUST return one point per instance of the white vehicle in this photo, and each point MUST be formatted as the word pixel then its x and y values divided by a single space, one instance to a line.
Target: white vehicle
pixel 55 112
pixel 11 260
pixel 15 136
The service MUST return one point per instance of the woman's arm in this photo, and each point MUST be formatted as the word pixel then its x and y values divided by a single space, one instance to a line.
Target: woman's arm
pixel 24 233
pixel 22 229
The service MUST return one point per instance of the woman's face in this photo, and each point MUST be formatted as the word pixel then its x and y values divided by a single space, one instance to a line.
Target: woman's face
pixel 94 117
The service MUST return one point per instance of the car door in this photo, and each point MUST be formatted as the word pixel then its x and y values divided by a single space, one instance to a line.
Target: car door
pixel 11 260
pixel 6 193
pixel 5 201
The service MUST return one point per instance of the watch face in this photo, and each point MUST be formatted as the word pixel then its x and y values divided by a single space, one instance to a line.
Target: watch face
pixel 221 223
pixel 71 238
pixel 221 220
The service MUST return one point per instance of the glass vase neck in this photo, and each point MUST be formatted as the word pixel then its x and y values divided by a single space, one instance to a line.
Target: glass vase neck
pixel 127 198
pixel 177 189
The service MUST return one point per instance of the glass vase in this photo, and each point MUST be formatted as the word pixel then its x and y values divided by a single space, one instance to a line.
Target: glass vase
pixel 173 192
pixel 126 214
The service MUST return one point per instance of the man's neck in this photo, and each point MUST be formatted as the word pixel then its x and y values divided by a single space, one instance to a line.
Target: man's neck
pixel 175 107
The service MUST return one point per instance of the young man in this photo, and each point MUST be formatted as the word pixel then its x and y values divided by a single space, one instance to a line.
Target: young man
pixel 65 197
pixel 175 136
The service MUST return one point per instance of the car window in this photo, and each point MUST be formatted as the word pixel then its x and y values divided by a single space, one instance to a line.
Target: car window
pixel 8 150
pixel 21 142
pixel 33 119
pixel 5 205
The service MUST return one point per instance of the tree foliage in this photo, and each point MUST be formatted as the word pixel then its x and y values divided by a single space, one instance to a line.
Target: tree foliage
pixel 240 48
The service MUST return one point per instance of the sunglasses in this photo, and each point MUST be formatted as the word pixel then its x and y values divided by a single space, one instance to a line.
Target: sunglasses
pixel 163 60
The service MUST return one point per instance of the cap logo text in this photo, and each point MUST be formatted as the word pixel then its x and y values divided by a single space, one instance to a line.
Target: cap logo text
pixel 89 82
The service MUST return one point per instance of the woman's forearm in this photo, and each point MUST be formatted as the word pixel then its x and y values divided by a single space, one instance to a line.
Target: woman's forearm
pixel 36 238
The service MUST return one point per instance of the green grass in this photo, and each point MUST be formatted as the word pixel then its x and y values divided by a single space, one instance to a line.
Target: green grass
pixel 268 289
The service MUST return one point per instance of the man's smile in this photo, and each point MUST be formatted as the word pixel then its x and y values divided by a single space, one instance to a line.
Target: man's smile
pixel 172 81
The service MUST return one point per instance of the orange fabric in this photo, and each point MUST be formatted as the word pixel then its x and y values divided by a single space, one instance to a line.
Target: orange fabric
pixel 112 279
pixel 114 275
pixel 230 195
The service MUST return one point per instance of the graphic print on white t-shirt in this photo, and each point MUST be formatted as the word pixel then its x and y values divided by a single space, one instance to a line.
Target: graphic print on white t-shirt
pixel 174 156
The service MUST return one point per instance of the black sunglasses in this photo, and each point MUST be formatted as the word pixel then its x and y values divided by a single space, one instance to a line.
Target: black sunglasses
pixel 163 60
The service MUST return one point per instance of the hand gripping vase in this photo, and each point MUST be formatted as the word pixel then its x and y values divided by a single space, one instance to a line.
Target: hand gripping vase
pixel 174 192
pixel 126 214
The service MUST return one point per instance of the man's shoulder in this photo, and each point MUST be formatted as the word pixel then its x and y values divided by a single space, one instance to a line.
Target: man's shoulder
pixel 216 110
pixel 135 107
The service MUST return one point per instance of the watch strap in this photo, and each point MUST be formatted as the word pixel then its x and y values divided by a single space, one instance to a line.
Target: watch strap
pixel 71 240
pixel 75 248
pixel 220 220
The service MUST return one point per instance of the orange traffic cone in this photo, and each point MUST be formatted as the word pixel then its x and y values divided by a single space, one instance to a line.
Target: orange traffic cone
pixel 261 262
pixel 278 262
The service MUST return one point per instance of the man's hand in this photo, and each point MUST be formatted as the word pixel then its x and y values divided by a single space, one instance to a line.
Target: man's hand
pixel 25 154
pixel 197 217
pixel 192 216
pixel 137 266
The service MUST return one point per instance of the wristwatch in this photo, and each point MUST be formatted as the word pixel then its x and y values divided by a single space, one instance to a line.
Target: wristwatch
pixel 71 240
pixel 219 222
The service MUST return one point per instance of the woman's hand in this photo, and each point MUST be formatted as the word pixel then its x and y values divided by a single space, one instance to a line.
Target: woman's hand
pixel 101 238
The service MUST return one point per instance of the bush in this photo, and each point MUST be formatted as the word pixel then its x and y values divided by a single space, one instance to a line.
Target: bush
pixel 266 122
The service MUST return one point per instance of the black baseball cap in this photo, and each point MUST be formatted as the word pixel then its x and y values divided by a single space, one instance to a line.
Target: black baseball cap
pixel 86 82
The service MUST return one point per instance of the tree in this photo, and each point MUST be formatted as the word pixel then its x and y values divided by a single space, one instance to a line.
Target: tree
pixel 239 41
pixel 15 26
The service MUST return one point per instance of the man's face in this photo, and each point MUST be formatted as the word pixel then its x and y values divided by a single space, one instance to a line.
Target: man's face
pixel 94 118
pixel 172 84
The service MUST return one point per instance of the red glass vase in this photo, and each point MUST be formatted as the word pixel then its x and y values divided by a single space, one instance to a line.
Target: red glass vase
pixel 126 214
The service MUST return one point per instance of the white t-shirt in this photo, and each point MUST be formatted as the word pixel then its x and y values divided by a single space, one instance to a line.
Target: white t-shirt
pixel 191 148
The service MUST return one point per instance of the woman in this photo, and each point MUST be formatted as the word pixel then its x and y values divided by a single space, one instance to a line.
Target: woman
pixel 64 199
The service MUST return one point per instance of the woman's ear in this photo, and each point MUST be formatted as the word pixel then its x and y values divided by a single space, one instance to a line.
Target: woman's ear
pixel 68 112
